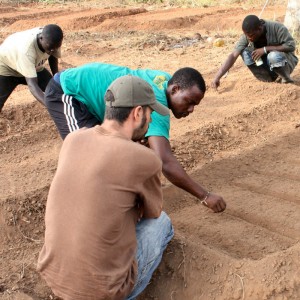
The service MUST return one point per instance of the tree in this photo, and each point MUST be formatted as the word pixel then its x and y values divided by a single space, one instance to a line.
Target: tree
pixel 292 17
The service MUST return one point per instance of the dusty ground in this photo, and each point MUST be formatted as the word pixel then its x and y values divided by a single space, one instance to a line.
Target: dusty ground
pixel 241 142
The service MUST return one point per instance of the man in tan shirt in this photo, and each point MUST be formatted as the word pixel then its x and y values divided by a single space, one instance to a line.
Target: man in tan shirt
pixel 22 58
pixel 105 229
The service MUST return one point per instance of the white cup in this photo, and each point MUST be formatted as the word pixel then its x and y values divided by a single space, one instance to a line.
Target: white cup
pixel 259 62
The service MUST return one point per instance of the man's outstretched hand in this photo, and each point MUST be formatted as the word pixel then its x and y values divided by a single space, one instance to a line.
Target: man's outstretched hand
pixel 215 202
pixel 215 83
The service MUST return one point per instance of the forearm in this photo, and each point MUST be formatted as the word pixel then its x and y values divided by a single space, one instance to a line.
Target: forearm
pixel 53 63
pixel 175 173
pixel 37 93
pixel 173 170
pixel 280 48
pixel 226 66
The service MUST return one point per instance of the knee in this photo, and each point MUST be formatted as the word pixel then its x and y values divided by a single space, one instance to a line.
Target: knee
pixel 276 59
pixel 161 227
pixel 167 228
pixel 165 220
pixel 247 57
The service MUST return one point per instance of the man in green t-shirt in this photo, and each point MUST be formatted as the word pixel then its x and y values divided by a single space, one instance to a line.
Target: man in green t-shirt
pixel 267 49
pixel 22 58
pixel 75 99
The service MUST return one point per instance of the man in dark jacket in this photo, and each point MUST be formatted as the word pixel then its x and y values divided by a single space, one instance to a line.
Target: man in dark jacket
pixel 267 49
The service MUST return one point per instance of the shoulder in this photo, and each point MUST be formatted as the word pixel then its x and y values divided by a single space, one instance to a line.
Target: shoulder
pixel 242 43
pixel 242 39
pixel 161 80
pixel 30 34
pixel 155 77
pixel 35 30
pixel 274 24
pixel 78 136
pixel 147 157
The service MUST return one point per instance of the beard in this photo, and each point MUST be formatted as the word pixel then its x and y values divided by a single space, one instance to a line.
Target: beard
pixel 139 133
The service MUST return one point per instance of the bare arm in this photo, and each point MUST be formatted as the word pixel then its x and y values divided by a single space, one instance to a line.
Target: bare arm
pixel 35 89
pixel 229 62
pixel 175 173
pixel 257 53
pixel 53 63
pixel 280 48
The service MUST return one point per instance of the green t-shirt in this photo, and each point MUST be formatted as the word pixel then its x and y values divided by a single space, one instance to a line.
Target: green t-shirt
pixel 88 84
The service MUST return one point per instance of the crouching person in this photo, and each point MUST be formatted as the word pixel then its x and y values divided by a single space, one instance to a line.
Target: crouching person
pixel 105 229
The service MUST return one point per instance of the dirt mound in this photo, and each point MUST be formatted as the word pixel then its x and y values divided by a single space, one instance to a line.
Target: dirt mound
pixel 72 20
pixel 241 142
pixel 195 18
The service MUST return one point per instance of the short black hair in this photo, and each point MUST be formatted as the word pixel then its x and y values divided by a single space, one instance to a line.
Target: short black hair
pixel 188 77
pixel 119 114
pixel 53 34
pixel 251 23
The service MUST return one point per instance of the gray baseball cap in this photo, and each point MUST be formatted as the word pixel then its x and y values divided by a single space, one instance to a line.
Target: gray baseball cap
pixel 132 91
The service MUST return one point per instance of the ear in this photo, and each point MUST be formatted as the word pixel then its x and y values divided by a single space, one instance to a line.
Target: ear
pixel 174 89
pixel 40 38
pixel 138 113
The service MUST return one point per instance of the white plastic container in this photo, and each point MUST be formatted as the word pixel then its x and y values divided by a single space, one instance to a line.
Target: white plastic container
pixel 259 62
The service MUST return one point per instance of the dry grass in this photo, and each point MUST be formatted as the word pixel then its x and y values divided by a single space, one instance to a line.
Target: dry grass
pixel 185 3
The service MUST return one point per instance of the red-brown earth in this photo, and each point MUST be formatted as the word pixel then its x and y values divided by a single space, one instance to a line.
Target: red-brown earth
pixel 241 142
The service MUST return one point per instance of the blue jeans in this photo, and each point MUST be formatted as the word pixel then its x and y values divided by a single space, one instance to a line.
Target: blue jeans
pixel 274 59
pixel 153 235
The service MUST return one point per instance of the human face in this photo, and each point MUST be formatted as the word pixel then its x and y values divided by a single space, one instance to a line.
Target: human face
pixel 140 131
pixel 182 102
pixel 48 47
pixel 254 35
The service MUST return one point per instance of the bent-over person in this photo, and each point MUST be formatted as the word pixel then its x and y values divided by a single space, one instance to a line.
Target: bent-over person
pixel 22 59
pixel 105 228
pixel 75 99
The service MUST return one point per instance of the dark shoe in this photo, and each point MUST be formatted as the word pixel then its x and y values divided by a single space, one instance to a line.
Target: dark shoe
pixel 262 73
pixel 284 74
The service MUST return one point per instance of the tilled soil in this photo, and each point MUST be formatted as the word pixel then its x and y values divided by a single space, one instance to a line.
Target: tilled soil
pixel 242 142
